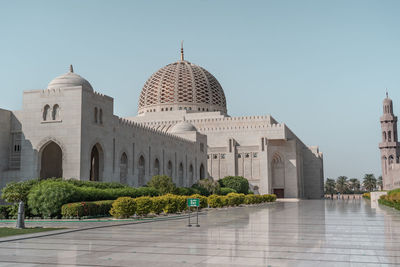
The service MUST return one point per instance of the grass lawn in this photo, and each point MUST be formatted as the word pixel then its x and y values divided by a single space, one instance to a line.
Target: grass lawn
pixel 6 231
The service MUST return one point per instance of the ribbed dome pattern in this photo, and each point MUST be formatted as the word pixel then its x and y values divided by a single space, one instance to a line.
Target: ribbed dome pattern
pixel 182 84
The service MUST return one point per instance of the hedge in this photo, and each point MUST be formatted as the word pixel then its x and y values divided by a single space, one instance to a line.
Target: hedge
pixel 226 190
pixel 46 198
pixel 84 209
pixel 238 183
pixel 6 211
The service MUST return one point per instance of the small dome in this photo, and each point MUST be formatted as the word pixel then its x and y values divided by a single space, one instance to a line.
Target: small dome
pixel 69 79
pixel 182 127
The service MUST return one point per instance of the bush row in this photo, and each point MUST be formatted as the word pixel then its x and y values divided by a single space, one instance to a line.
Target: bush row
pixel 84 209
pixel 125 207
pixel 367 195
pixel 7 211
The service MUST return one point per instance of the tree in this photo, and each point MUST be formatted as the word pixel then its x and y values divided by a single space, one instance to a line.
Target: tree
pixel 210 185
pixel 354 185
pixel 330 187
pixel 369 182
pixel 239 183
pixel 341 184
pixel 380 183
pixel 162 183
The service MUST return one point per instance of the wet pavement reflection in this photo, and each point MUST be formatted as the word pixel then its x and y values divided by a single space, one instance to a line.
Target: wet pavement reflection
pixel 305 233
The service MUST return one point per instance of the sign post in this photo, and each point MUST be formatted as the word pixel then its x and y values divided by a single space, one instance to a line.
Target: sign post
pixel 193 202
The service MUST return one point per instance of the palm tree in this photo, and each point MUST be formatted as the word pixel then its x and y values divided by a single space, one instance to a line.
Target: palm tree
pixel 380 183
pixel 330 187
pixel 341 184
pixel 369 182
pixel 354 184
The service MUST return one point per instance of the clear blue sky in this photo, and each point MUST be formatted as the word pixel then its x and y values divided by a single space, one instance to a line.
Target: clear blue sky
pixel 319 66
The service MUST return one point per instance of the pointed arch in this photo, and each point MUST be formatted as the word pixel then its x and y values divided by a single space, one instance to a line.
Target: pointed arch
pixel 123 169
pixel 202 173
pixel 180 174
pixel 191 174
pixel 56 112
pixel 46 111
pixel 156 167
pixel 51 160
pixel 142 171
pixel 96 162
pixel 278 175
pixel 169 169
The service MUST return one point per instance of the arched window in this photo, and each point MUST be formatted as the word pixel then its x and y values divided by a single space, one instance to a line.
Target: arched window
pixel 391 158
pixel 180 175
pixel 385 164
pixel 95 115
pixel 101 116
pixel 169 169
pixel 389 136
pixel 141 168
pixel 384 136
pixel 202 172
pixel 56 112
pixel 156 169
pixel 123 169
pixel 46 112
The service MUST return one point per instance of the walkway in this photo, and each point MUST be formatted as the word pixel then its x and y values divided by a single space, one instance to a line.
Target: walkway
pixel 305 233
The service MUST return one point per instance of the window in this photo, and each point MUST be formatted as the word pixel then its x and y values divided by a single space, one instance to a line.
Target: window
pixel 389 136
pixel 255 155
pixel 46 112
pixel 15 155
pixel 56 112
pixel 239 156
pixel 215 156
pixel 101 116
pixel 222 156
pixel 247 155
pixel 208 156
pixel 95 115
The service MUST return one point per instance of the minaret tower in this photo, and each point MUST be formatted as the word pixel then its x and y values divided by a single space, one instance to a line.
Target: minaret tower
pixel 389 146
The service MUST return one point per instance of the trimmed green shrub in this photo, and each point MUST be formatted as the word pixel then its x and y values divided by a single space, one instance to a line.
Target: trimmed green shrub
pixel 182 203
pixel 162 183
pixel 226 190
pixel 240 184
pixel 157 205
pixel 144 205
pixel 170 203
pixel 123 207
pixel 46 198
pixel 81 209
pixel 215 201
pixel 99 185
pixel 235 199
pixel 250 199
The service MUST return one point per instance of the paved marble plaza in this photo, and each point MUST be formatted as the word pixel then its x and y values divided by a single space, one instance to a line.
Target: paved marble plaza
pixel 305 233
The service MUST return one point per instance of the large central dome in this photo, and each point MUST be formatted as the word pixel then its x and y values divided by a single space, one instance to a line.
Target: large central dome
pixel 182 86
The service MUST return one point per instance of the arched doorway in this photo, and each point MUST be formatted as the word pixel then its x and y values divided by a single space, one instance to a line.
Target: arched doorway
pixel 202 173
pixel 96 163
pixel 180 175
pixel 169 169
pixel 190 175
pixel 51 161
pixel 142 172
pixel 123 169
pixel 156 169
pixel 278 176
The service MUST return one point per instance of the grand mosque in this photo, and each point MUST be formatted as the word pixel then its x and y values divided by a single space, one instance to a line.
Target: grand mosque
pixel 182 129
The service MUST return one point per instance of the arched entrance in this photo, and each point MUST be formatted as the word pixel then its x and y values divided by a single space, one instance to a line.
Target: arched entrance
pixel 96 163
pixel 156 169
pixel 51 161
pixel 141 167
pixel 278 176
pixel 180 175
pixel 202 172
pixel 123 169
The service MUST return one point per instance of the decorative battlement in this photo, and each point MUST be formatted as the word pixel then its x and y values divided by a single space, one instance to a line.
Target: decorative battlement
pixel 103 95
pixel 143 127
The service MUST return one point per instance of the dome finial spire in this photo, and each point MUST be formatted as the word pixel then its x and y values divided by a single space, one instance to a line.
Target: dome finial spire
pixel 387 95
pixel 71 69
pixel 182 57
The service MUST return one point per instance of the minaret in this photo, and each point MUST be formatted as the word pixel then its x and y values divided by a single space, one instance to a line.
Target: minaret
pixel 389 146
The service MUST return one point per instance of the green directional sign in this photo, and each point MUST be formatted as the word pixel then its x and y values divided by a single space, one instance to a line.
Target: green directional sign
pixel 193 202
